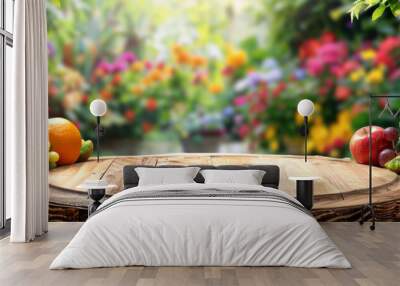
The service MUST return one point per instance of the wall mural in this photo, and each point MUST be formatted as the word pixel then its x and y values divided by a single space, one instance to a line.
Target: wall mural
pixel 222 77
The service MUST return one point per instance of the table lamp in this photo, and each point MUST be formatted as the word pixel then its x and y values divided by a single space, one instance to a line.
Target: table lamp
pixel 98 108
pixel 305 108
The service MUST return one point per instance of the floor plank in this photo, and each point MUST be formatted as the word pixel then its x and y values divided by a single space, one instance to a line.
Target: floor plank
pixel 375 257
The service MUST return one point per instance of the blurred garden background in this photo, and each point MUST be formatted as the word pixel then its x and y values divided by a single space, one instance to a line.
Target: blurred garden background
pixel 219 75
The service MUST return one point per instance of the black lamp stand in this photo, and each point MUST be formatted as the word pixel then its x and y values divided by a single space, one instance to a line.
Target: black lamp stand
pixel 99 133
pixel 305 137
pixel 369 206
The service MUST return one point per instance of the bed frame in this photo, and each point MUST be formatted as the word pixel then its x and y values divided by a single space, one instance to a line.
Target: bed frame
pixel 270 179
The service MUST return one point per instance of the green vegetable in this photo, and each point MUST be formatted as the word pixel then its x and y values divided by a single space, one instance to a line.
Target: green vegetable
pixel 52 165
pixel 394 165
pixel 86 150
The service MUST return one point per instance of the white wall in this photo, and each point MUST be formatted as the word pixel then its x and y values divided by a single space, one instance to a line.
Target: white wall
pixel 8 83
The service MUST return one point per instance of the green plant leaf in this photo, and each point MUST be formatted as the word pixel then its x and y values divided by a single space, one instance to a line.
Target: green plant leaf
pixel 378 12
pixel 395 8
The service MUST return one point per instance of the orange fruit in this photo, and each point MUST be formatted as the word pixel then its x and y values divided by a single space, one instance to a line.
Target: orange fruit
pixel 65 139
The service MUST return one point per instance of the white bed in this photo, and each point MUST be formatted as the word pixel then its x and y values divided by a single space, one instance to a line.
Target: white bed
pixel 267 229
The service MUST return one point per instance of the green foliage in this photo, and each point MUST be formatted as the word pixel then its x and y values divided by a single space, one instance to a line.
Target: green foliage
pixel 291 22
pixel 378 7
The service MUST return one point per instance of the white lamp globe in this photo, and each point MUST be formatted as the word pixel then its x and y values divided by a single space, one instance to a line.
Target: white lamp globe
pixel 98 107
pixel 305 107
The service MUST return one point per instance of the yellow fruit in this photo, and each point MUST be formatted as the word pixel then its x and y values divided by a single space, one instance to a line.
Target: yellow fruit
pixel 65 139
pixel 53 157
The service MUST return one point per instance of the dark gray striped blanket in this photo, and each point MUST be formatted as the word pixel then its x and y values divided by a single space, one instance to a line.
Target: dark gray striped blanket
pixel 205 194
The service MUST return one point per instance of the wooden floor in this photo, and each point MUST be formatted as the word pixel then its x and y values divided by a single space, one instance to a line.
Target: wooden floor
pixel 375 257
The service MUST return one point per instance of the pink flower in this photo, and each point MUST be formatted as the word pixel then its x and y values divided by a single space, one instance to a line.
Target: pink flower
pixel 199 77
pixel 105 66
pixel 395 75
pixel 119 66
pixel 240 100
pixel 127 57
pixel 315 66
pixel 343 70
pixel 148 65
pixel 332 53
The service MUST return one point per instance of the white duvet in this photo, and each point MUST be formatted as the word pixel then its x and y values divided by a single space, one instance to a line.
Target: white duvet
pixel 200 231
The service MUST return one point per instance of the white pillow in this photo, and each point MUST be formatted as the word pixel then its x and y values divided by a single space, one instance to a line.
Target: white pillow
pixel 248 177
pixel 166 176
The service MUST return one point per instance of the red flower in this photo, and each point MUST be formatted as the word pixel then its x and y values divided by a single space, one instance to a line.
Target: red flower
pixel 53 90
pixel 342 93
pixel 308 49
pixel 279 89
pixel 358 108
pixel 258 107
pixel 151 104
pixel 328 37
pixel 117 79
pixel 160 65
pixel 382 102
pixel 130 115
pixel 395 75
pixel 148 65
pixel 389 52
pixel 323 90
pixel 255 122
pixel 338 143
pixel 85 98
pixel 147 127
pixel 106 95
pixel 227 71
pixel 329 83
pixel 244 130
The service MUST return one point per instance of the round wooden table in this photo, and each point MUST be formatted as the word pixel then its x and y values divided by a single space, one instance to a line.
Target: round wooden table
pixel 338 194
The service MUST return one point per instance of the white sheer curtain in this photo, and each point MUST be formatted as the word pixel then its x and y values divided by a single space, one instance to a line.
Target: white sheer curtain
pixel 26 124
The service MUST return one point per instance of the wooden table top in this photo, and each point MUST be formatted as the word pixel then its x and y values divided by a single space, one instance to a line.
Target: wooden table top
pixel 342 182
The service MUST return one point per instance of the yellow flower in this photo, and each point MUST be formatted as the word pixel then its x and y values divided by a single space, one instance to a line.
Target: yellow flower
pixel 310 146
pixel 299 119
pixel 137 66
pixel 344 117
pixel 357 75
pixel 270 133
pixel 168 72
pixel 198 61
pixel 317 108
pixel 215 88
pixel 368 55
pixel 334 153
pixel 336 14
pixel 146 81
pixel 155 75
pixel 137 89
pixel 375 76
pixel 319 134
pixel 237 58
pixel 274 145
